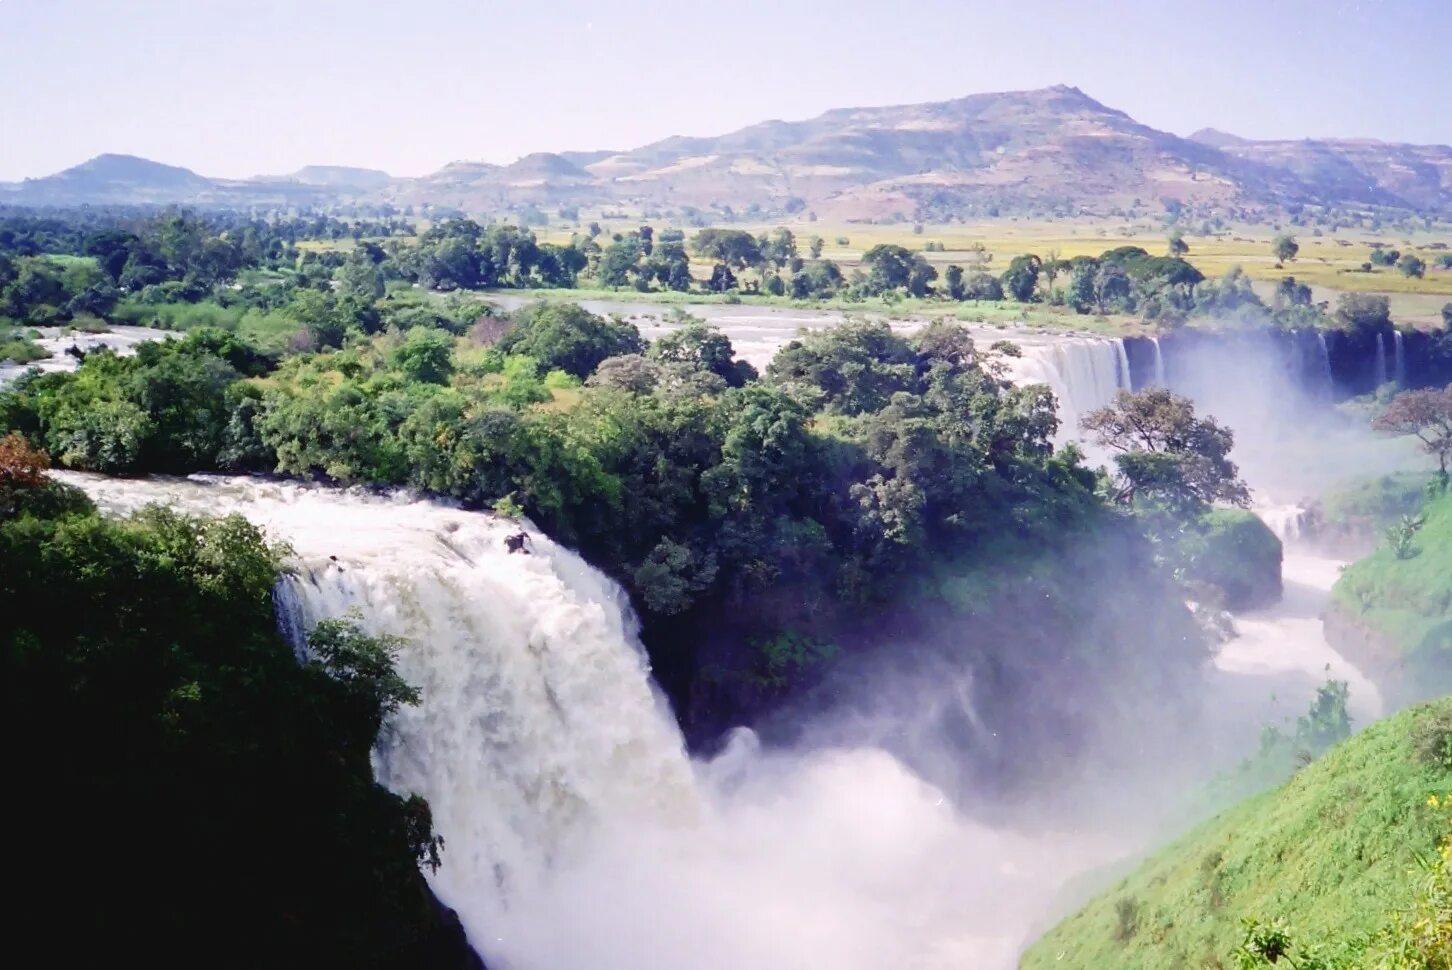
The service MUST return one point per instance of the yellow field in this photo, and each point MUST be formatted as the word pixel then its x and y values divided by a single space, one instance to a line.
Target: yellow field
pixel 1329 263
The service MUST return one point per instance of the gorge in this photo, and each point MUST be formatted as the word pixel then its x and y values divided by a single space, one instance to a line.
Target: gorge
pixel 579 832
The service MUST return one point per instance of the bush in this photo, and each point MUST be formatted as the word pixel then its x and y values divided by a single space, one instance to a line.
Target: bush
pixel 563 336
pixel 1235 553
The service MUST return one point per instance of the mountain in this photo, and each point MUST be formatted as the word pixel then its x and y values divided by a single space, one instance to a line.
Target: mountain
pixel 340 177
pixel 1051 150
pixel 110 179
pixel 1353 169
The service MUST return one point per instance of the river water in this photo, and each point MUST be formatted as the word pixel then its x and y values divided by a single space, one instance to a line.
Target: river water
pixel 579 833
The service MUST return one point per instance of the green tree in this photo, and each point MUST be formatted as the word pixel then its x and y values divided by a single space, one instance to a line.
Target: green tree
pixel 619 261
pixel 1425 414
pixel 1166 455
pixel 1361 313
pixel 953 280
pixel 565 337
pixel 426 355
pixel 1284 247
pixel 1176 244
pixel 731 247
pixel 1021 279
pixel 1410 265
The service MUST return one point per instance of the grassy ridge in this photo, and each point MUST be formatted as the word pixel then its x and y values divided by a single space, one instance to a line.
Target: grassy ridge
pixel 1408 600
pixel 1332 853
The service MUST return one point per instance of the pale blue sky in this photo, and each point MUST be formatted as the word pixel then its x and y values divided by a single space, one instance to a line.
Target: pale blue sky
pixel 242 87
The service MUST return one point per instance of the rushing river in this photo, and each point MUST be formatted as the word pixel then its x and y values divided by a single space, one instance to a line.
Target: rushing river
pixel 579 833
pixel 57 341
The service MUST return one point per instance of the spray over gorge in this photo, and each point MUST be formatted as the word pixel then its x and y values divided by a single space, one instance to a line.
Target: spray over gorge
pixel 982 533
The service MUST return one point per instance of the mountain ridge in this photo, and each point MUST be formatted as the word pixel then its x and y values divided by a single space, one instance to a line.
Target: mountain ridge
pixel 1052 150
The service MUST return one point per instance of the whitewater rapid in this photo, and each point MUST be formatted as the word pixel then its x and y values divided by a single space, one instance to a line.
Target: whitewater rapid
pixel 1270 669
pixel 578 834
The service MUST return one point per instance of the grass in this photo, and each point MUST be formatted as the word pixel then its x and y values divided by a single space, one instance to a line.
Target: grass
pixel 1004 314
pixel 1408 600
pixel 1332 853
pixel 268 330
pixel 1376 503
pixel 1329 267
pixel 17 347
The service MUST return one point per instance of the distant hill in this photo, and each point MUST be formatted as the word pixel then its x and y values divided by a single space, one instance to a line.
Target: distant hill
pixel 1049 150
pixel 340 176
pixel 1415 177
pixel 112 179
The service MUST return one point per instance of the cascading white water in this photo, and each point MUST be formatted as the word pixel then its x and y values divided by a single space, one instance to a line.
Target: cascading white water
pixel 1399 368
pixel 1159 368
pixel 1325 354
pixel 1380 359
pixel 1282 648
pixel 1083 372
pixel 578 835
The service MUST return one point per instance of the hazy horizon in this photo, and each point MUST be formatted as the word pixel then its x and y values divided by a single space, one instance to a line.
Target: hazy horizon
pixel 239 88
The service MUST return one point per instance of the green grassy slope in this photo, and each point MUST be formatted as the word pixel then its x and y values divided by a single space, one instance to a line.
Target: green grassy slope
pixel 1407 602
pixel 1332 853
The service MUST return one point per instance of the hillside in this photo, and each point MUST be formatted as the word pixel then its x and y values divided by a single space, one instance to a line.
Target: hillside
pixel 1051 150
pixel 1332 854
pixel 1393 615
pixel 340 176
pixel 1353 169
pixel 129 180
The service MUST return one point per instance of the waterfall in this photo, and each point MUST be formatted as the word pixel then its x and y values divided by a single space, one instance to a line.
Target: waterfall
pixel 1288 522
pixel 1400 367
pixel 1159 374
pixel 1380 359
pixel 1325 356
pixel 1083 372
pixel 578 835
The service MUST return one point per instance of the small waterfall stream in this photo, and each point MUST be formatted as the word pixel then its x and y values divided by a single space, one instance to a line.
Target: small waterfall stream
pixel 1380 373
pixel 1159 365
pixel 1399 369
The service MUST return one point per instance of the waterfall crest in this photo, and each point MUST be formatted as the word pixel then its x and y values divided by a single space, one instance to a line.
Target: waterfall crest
pixel 1083 372
pixel 577 832
pixel 538 718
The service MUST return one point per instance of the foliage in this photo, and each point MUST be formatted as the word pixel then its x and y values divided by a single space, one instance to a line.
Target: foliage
pixel 1331 856
pixel 1362 313
pixel 1284 247
pixel 1406 599
pixel 222 755
pixel 1166 454
pixel 1232 553
pixel 561 336
pixel 1425 414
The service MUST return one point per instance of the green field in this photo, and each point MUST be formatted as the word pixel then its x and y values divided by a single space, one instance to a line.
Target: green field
pixel 1005 313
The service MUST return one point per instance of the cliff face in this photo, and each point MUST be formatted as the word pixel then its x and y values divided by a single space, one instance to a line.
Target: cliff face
pixel 1370 651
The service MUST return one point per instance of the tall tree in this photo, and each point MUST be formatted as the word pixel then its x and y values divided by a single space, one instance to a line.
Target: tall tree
pixel 1285 247
pixel 1166 454
pixel 1426 414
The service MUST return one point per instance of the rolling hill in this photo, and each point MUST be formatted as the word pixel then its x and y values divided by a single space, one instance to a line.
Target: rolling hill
pixel 1049 150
